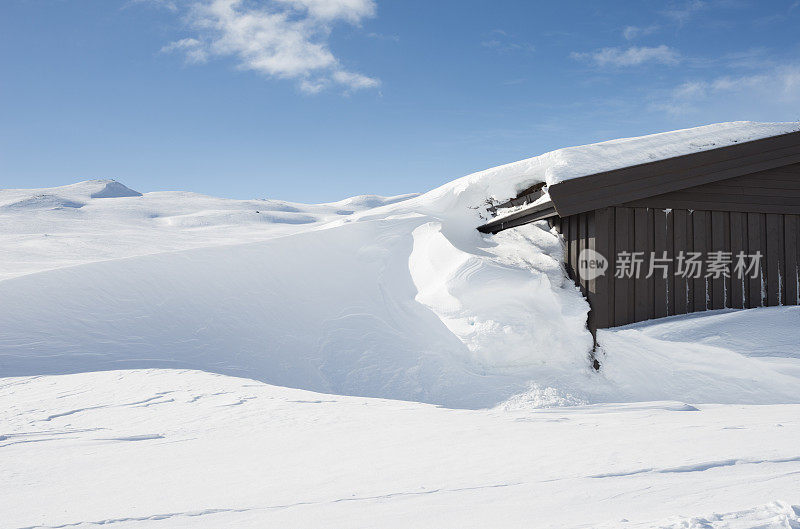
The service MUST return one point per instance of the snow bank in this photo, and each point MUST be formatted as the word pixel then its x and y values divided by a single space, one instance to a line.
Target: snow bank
pixel 395 297
pixel 511 304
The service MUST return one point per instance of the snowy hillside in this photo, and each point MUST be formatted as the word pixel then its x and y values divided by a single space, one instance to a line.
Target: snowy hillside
pixel 128 317
pixel 395 298
pixel 103 219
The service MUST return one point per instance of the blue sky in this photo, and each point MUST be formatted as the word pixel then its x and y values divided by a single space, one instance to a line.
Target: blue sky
pixel 316 100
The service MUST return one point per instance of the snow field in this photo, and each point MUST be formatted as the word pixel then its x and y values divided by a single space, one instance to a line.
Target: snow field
pixel 150 344
pixel 168 448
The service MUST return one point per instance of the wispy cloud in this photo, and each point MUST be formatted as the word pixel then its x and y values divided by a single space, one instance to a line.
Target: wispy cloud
pixel 754 58
pixel 780 85
pixel 632 56
pixel 194 49
pixel 284 39
pixel 502 41
pixel 381 36
pixel 171 5
pixel 683 12
pixel 634 32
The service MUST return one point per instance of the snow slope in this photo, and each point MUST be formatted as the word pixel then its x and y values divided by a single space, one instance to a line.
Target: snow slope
pixel 396 298
pixel 692 421
pixel 99 220
pixel 169 449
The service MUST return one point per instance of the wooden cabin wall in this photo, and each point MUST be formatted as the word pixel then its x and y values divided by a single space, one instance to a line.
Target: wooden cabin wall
pixel 620 301
pixel 771 191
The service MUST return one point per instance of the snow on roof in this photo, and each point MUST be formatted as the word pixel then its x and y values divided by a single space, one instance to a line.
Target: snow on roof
pixel 575 162
pixel 504 182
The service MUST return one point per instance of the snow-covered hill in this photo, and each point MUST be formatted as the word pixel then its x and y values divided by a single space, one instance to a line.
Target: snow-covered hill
pixel 112 300
pixel 97 220
pixel 386 297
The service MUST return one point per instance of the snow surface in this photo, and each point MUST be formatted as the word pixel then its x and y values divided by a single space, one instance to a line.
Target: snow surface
pixel 163 448
pixel 100 220
pixel 387 298
pixel 394 298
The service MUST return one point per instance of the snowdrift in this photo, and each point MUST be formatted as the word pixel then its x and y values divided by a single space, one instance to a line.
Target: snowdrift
pixel 394 297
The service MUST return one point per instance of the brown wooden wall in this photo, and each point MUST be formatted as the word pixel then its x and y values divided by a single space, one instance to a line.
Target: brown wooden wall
pixel 771 191
pixel 619 301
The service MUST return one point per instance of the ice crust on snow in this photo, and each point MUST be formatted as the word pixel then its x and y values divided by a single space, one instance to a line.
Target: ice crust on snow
pixel 395 297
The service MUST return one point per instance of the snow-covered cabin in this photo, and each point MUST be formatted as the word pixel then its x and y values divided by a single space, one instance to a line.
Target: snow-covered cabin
pixel 711 229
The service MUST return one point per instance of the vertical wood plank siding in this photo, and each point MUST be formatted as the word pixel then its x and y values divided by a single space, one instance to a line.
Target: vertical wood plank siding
pixel 700 227
pixel 662 289
pixel 665 233
pixel 681 242
pixel 602 292
pixel 791 246
pixel 738 298
pixel 623 287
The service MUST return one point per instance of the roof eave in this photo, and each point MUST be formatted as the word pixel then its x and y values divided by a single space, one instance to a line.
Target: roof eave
pixel 540 211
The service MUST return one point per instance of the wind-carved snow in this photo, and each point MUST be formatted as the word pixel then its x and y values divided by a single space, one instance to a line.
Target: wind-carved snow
pixel 511 303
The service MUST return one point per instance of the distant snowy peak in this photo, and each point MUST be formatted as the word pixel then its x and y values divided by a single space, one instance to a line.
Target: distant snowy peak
pixel 94 189
pixel 69 196
pixel 111 189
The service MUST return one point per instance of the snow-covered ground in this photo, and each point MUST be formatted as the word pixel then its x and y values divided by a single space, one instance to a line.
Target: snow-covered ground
pixel 97 220
pixel 165 448
pixel 117 308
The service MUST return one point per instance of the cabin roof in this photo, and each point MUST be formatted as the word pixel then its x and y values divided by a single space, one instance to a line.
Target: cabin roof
pixel 634 182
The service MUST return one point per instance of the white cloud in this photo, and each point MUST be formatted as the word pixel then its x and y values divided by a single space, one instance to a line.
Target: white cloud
pixel 754 58
pixel 381 36
pixel 354 80
pixel 690 90
pixel 193 48
pixel 171 5
pixel 634 32
pixel 286 39
pixel 502 41
pixel 779 85
pixel 632 56
pixel 683 12
pixel 351 10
